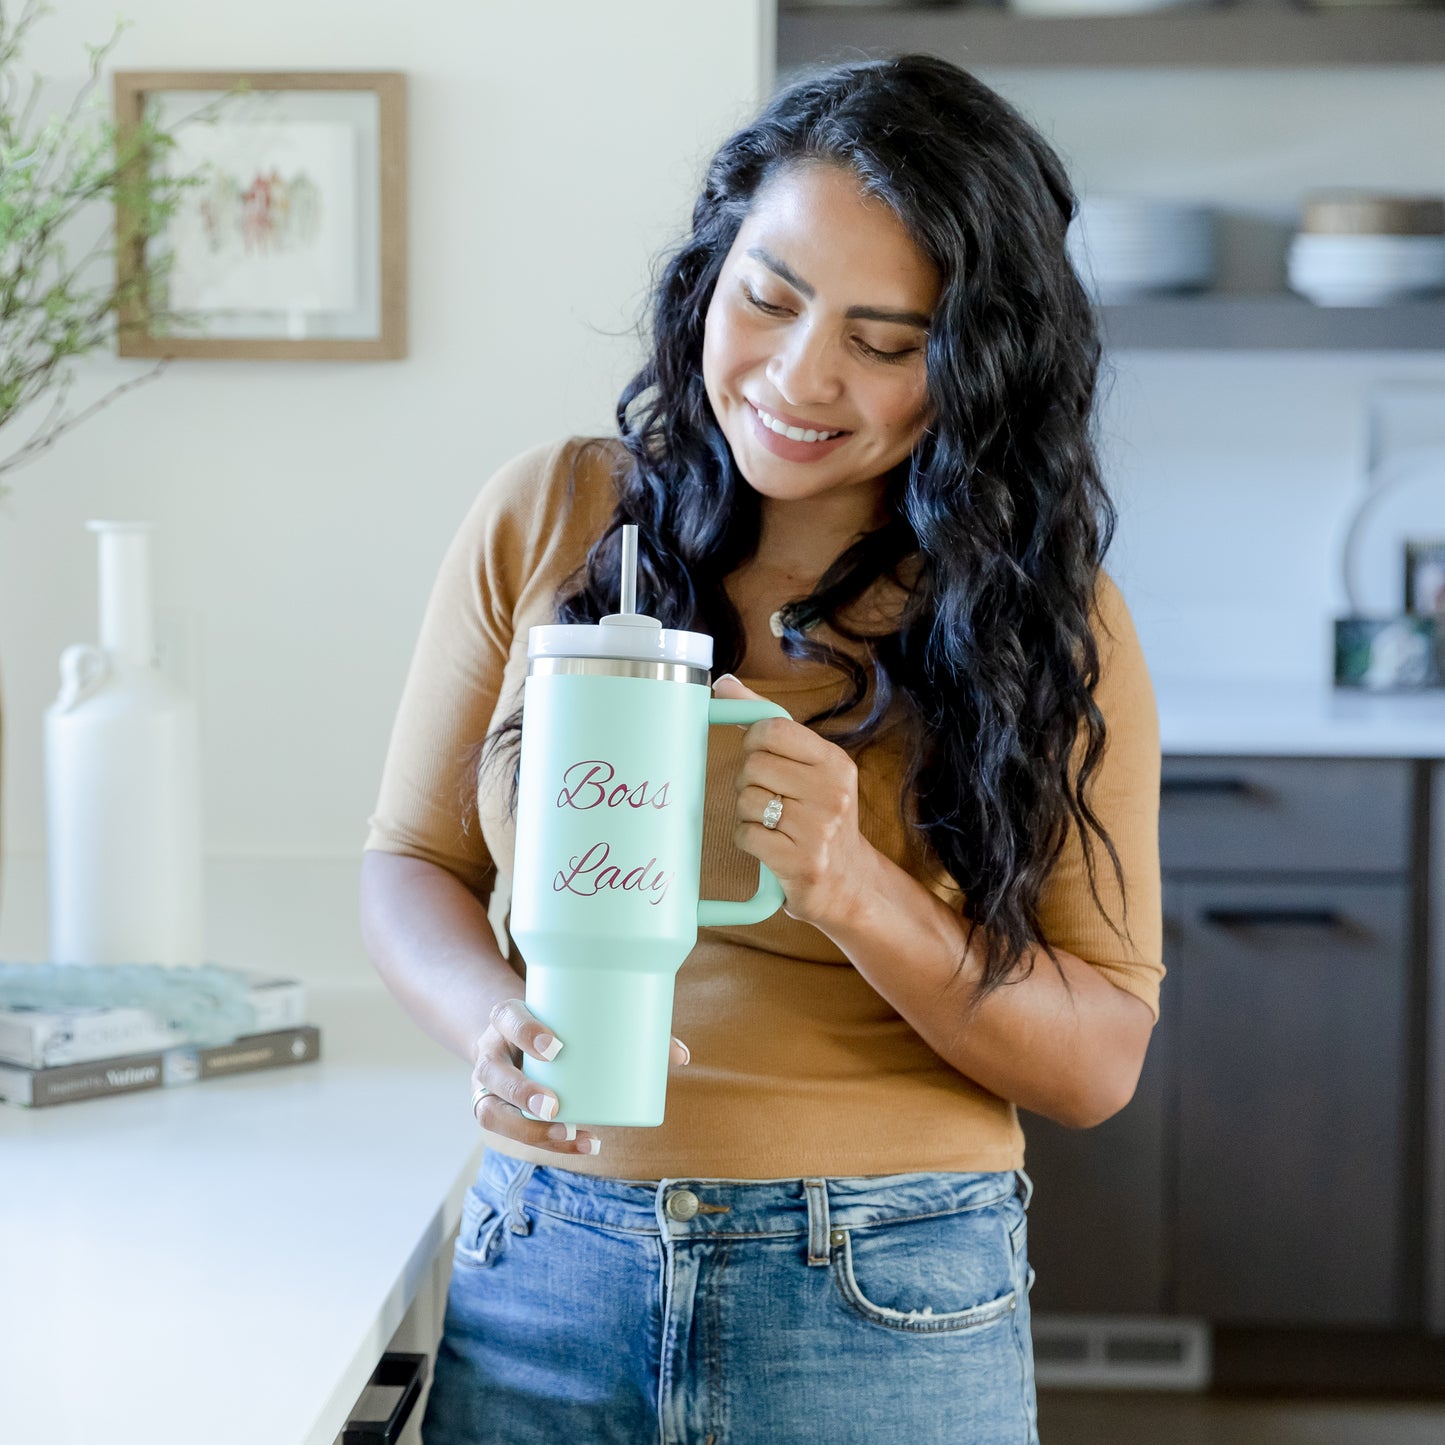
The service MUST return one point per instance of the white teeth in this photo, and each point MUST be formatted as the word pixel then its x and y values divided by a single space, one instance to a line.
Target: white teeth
pixel 793 433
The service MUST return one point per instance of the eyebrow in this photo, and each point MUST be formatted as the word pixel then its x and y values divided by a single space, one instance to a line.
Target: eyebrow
pixel 854 313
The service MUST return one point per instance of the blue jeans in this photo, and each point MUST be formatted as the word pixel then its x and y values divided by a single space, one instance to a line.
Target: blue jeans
pixel 869 1310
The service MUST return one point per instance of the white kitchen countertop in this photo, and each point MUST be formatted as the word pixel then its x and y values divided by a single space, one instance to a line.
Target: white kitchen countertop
pixel 226 1261
pixel 1275 719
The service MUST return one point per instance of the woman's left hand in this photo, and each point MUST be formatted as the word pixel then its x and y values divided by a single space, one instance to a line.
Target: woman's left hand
pixel 817 851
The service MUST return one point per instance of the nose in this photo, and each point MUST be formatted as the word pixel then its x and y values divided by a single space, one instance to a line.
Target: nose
pixel 804 369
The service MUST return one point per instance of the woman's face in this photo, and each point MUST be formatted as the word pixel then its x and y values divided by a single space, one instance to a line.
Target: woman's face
pixel 819 319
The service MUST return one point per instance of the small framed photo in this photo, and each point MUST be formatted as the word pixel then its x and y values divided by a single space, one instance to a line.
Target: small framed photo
pixel 293 244
pixel 1425 578
pixel 1387 654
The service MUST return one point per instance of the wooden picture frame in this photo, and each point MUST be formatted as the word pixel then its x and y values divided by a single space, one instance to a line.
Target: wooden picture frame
pixel 355 121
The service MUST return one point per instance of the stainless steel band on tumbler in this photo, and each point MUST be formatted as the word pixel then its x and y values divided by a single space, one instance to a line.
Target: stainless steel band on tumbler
pixel 619 667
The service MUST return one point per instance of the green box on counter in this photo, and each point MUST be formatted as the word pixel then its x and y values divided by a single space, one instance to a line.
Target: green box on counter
pixel 1401 653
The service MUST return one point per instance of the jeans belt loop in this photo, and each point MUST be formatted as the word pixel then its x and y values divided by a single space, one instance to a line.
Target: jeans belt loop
pixel 818 1245
pixel 1028 1185
pixel 517 1220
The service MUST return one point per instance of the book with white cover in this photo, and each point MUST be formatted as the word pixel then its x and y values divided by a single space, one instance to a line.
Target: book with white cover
pixel 181 1064
pixel 49 1038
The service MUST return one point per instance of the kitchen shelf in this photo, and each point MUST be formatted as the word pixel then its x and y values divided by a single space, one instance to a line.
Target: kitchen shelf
pixel 1253 36
pixel 1272 323
pixel 1246 35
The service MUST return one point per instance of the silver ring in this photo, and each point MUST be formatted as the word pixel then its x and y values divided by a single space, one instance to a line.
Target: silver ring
pixel 773 813
pixel 477 1098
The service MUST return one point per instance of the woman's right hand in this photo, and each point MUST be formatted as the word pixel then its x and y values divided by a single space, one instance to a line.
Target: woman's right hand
pixel 511 1032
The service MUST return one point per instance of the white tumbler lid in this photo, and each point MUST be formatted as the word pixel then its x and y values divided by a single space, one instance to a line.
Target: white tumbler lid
pixel 629 635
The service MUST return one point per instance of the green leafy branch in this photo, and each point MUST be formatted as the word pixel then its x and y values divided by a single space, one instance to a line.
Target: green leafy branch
pixel 52 311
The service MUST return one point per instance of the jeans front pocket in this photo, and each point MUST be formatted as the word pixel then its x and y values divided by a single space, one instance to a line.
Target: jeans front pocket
pixel 479 1237
pixel 950 1272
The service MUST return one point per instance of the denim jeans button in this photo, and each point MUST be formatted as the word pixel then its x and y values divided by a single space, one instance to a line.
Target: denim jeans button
pixel 681 1204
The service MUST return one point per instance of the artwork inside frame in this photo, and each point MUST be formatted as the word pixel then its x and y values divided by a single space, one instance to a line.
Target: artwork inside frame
pixel 1425 577
pixel 292 245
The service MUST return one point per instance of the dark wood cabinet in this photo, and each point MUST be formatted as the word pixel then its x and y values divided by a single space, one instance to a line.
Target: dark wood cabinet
pixel 1232 816
pixel 1290 1121
pixel 1098 1226
pixel 1264 1173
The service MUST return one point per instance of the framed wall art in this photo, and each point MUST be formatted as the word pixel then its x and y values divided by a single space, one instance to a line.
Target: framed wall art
pixel 292 243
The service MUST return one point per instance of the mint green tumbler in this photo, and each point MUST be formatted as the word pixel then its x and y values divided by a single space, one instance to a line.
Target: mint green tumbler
pixel 605 903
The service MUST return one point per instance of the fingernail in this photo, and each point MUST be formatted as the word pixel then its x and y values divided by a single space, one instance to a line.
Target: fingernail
pixel 686 1052
pixel 723 678
pixel 542 1106
pixel 548 1047
pixel 593 1146
pixel 562 1131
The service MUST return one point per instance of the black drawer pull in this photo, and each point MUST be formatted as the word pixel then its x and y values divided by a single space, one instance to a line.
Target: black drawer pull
pixel 1273 917
pixel 386 1403
pixel 1206 787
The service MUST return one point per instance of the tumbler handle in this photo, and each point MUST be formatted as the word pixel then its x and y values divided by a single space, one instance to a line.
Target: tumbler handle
pixel 719 912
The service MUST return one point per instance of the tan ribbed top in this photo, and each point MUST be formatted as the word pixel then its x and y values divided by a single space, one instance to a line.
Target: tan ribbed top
pixel 798 1066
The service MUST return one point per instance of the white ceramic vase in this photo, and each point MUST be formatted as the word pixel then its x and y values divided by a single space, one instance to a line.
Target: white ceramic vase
pixel 122 783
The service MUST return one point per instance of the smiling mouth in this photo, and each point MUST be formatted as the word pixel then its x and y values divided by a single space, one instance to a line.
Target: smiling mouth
pixel 793 433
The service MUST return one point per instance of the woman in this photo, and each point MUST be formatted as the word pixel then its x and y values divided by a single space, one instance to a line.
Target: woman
pixel 859 457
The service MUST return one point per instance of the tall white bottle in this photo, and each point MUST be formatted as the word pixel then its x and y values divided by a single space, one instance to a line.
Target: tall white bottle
pixel 122 783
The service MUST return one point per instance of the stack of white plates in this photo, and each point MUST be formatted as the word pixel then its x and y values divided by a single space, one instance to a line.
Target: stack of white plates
pixel 1124 248
pixel 1357 249
pixel 1365 270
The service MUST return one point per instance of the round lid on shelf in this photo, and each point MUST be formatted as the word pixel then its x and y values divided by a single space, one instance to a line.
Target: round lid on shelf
pixel 1364 213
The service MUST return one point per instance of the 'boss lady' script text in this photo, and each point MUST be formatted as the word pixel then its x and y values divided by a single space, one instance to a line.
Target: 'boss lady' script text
pixel 592 783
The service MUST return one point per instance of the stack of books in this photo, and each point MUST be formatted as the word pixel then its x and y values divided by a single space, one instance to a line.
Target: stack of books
pixel 62 1054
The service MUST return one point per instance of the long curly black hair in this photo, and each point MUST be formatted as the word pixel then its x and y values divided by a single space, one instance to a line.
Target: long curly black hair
pixel 999 515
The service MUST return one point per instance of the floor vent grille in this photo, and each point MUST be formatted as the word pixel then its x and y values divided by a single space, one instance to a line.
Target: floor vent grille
pixel 1120 1352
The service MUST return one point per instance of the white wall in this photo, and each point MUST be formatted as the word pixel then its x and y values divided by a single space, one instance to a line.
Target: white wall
pixel 302 508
